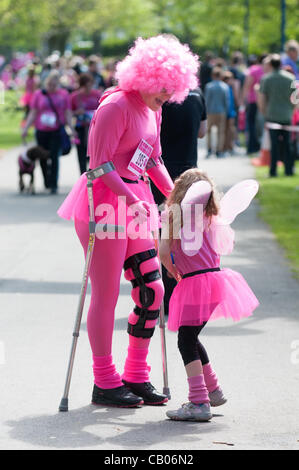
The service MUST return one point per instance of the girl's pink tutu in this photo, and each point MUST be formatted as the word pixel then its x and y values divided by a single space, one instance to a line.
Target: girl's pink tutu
pixel 75 206
pixel 208 296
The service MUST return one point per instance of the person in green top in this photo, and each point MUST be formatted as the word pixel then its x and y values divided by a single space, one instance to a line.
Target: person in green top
pixel 275 104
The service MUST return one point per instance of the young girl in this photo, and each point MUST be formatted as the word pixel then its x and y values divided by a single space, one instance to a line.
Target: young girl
pixel 204 291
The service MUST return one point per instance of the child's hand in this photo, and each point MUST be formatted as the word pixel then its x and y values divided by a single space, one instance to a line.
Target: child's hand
pixel 174 273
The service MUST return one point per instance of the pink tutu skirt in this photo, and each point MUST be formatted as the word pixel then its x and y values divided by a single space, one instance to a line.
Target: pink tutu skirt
pixel 75 206
pixel 26 98
pixel 208 296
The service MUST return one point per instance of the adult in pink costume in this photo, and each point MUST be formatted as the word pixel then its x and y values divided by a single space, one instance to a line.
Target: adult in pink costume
pixel 155 70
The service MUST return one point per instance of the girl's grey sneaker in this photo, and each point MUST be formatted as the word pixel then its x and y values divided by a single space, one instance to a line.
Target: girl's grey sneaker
pixel 217 397
pixel 191 412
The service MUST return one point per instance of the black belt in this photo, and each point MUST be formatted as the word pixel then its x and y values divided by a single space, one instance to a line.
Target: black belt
pixel 201 271
pixel 126 180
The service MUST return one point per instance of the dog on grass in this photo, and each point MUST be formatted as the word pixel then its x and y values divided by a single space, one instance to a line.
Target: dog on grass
pixel 26 163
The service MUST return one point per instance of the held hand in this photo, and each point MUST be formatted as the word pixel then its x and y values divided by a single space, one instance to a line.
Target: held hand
pixel 74 137
pixel 174 273
pixel 73 133
pixel 140 211
pixel 24 134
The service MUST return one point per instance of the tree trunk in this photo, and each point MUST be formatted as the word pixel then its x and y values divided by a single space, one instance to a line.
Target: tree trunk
pixel 97 39
pixel 57 41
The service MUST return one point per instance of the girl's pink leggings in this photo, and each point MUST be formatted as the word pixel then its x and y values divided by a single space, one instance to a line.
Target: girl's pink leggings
pixel 108 260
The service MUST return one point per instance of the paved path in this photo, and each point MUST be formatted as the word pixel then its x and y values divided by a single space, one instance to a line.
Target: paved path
pixel 40 275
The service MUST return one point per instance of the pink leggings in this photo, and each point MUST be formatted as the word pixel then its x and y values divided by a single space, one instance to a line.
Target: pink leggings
pixel 105 273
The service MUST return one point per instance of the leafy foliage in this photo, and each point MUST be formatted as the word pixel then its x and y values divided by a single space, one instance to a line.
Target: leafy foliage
pixel 212 24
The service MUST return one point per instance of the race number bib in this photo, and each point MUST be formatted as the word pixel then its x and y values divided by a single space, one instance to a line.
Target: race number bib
pixel 48 119
pixel 140 158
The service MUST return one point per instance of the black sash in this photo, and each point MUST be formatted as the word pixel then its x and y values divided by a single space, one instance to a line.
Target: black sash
pixel 201 271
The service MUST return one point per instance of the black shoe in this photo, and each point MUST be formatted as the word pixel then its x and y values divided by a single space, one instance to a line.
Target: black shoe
pixel 148 392
pixel 119 396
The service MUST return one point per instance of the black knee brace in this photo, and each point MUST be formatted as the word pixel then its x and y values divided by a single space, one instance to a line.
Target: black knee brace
pixel 138 330
pixel 146 294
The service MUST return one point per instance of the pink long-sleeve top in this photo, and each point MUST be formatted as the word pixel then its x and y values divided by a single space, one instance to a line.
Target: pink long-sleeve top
pixel 205 258
pixel 120 122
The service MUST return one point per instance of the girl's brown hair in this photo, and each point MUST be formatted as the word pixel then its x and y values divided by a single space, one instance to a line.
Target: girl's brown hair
pixel 181 186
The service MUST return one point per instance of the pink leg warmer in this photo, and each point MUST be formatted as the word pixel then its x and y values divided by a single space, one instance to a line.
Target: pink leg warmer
pixel 210 377
pixel 198 392
pixel 136 369
pixel 105 375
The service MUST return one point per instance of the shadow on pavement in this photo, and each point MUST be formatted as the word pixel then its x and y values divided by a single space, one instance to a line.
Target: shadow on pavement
pixel 70 430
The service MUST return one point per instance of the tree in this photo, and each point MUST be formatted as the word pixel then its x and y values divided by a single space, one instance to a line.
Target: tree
pixel 21 23
pixel 108 21
pixel 204 24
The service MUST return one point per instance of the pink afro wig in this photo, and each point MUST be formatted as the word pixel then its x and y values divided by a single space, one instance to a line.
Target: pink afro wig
pixel 158 63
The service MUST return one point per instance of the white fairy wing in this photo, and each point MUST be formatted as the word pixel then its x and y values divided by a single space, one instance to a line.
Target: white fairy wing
pixel 221 236
pixel 198 193
pixel 192 206
pixel 191 244
pixel 191 233
pixel 236 200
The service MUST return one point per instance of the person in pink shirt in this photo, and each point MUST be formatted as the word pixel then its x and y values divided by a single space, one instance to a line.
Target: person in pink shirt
pixel 253 78
pixel 125 134
pixel 7 77
pixel 31 85
pixel 84 102
pixel 50 108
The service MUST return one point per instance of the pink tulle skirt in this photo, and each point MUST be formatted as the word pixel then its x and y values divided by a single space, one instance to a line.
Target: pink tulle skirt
pixel 75 206
pixel 26 98
pixel 208 296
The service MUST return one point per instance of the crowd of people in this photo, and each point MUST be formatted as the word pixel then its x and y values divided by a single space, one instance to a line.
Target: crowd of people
pixel 66 91
pixel 236 100
pixel 59 92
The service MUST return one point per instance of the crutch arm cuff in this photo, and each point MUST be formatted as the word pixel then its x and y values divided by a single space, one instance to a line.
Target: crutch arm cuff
pixel 100 171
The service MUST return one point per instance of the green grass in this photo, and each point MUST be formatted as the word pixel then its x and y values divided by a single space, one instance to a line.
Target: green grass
pixel 279 199
pixel 11 116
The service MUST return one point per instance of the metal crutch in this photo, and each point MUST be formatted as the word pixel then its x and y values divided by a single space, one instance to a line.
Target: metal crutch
pixel 166 389
pixel 91 175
